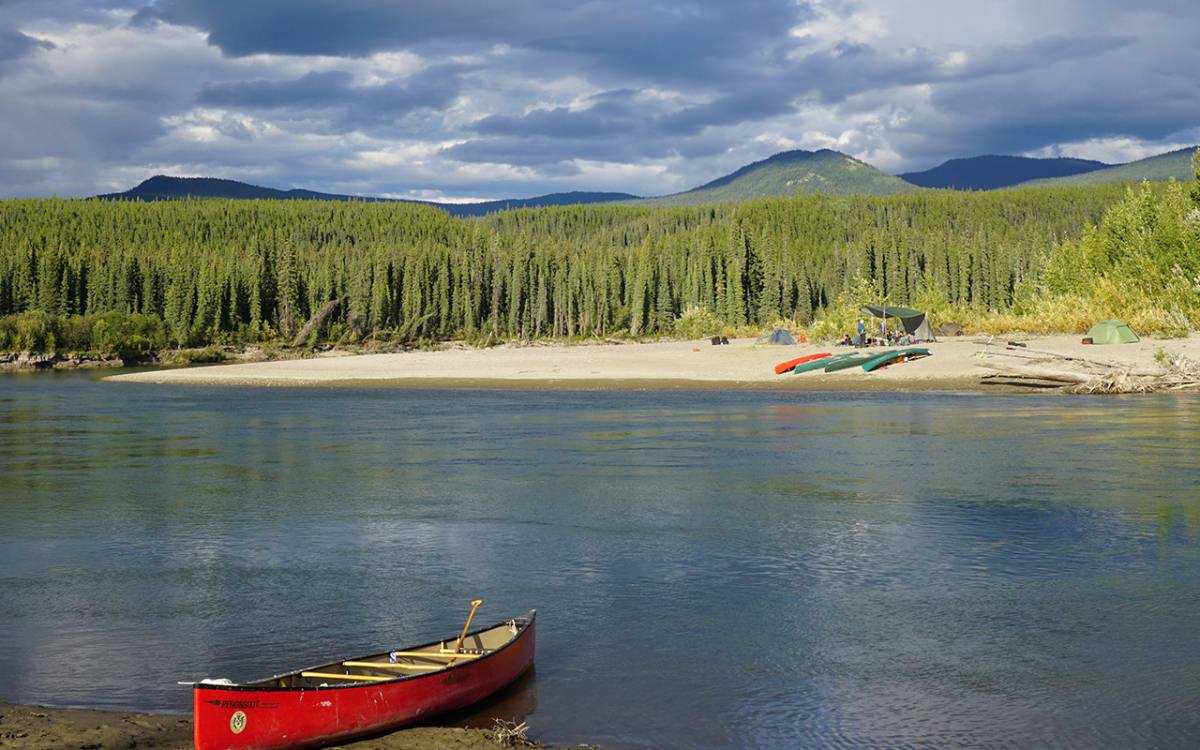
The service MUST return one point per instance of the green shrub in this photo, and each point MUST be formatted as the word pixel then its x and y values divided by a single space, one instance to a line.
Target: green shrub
pixel 33 331
pixel 697 323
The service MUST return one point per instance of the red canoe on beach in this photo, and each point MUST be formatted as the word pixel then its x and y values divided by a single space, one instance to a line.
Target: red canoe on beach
pixel 334 702
pixel 783 367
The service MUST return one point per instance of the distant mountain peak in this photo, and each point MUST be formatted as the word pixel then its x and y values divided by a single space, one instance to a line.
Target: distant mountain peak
pixel 788 173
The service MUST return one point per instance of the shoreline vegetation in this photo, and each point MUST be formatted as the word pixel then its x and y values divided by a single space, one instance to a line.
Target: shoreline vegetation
pixel 89 283
pixel 47 728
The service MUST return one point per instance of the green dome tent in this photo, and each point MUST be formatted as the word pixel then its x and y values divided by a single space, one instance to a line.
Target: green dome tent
pixel 1112 332
pixel 777 337
pixel 915 322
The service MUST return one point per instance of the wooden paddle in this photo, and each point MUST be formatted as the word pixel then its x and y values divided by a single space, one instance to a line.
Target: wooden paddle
pixel 474 606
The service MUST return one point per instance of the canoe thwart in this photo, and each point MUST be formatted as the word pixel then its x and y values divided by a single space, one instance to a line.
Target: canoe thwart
pixel 350 677
pixel 437 654
pixel 387 665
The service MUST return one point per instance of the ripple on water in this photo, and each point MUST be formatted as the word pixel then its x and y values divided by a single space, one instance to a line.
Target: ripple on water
pixel 712 570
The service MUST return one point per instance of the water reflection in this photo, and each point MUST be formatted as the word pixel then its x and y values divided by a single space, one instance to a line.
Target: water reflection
pixel 711 570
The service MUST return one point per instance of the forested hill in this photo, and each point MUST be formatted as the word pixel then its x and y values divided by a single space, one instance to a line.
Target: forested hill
pixel 162 187
pixel 791 173
pixel 221 271
pixel 992 172
pixel 1160 168
pixel 574 198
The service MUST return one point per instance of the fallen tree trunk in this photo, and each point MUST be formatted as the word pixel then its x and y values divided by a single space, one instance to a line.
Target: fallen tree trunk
pixel 316 321
pixel 1038 373
pixel 1181 374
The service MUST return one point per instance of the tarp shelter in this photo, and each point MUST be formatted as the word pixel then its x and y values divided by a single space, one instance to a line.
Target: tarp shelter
pixel 1112 332
pixel 778 336
pixel 915 322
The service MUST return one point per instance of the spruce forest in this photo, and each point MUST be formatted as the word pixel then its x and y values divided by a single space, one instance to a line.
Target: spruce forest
pixel 133 277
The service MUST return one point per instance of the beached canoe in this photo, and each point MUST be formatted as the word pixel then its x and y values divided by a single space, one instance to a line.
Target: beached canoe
pixel 331 703
pixel 818 364
pixel 783 367
pixel 893 356
pixel 848 362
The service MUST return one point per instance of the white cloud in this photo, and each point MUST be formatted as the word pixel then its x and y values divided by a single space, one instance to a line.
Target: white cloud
pixel 901 85
pixel 1119 150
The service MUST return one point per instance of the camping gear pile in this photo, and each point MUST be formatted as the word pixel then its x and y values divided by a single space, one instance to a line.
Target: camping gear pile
pixel 915 322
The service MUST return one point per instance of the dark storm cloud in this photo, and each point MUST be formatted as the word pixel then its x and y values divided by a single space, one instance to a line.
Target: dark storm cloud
pixel 15 45
pixel 684 40
pixel 351 105
pixel 325 89
pixel 830 75
pixel 537 151
pixel 755 103
pixel 1042 53
pixel 1014 114
pixel 689 87
pixel 847 69
pixel 623 113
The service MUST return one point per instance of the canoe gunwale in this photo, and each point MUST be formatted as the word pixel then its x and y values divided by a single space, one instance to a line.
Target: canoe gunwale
pixel 257 686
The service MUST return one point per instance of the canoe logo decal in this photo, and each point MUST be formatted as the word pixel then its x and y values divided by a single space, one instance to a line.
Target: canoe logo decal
pixel 237 722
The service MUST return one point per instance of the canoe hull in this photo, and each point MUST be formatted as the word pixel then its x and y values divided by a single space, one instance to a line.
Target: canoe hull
pixel 254 718
pixel 847 363
pixel 783 367
pixel 818 364
pixel 887 358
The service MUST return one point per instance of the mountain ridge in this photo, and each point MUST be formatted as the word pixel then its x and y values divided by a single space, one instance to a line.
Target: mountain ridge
pixel 787 173
pixel 163 187
pixel 996 171
pixel 1175 164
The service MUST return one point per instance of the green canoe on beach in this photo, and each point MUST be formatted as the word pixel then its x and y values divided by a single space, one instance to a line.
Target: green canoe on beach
pixel 850 361
pixel 889 357
pixel 819 364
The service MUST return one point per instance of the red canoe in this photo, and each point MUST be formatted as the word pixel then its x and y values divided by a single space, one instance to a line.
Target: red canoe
pixel 332 703
pixel 783 367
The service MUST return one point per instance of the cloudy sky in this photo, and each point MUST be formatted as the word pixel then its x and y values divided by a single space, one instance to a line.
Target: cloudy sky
pixel 461 99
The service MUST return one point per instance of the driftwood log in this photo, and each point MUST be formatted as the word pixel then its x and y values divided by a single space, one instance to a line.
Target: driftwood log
pixel 1041 369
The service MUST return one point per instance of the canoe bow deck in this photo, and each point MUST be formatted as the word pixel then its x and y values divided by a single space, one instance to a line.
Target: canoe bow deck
pixel 349 698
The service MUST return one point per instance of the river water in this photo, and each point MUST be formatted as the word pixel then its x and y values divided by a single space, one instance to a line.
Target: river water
pixel 747 569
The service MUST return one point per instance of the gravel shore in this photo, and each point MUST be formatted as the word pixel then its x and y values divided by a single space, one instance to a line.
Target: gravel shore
pixel 43 728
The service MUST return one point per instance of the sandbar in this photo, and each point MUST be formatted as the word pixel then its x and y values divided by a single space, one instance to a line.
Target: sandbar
pixel 955 364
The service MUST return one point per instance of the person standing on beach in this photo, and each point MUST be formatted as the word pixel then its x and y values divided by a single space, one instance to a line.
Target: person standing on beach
pixel 862 333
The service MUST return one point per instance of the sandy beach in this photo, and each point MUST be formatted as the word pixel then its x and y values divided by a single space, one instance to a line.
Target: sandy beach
pixel 955 364
pixel 43 728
